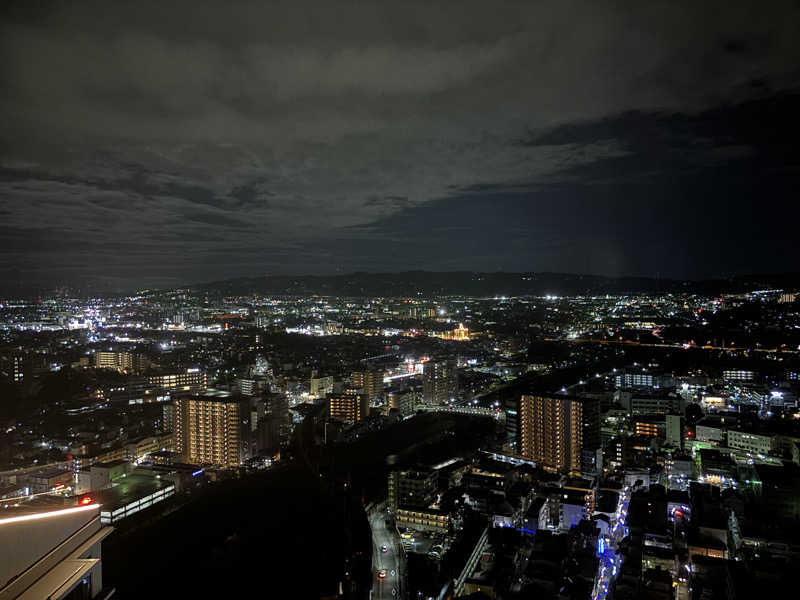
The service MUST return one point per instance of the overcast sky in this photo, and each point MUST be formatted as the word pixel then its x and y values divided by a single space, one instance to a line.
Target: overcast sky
pixel 168 143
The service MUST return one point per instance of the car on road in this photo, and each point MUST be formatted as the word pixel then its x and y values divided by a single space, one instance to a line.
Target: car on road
pixel 384 548
pixel 381 573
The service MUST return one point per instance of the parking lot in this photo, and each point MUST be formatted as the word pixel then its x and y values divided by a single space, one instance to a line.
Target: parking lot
pixel 422 542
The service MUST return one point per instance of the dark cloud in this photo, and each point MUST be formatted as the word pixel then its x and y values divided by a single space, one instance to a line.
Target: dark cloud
pixel 216 219
pixel 544 136
pixel 250 194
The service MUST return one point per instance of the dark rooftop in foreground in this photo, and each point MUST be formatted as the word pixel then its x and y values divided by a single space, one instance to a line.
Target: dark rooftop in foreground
pixel 130 488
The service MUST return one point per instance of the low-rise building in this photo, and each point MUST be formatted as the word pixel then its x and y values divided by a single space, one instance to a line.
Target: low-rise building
pixel 425 519
pixel 48 480
pixel 751 442
pixel 137 492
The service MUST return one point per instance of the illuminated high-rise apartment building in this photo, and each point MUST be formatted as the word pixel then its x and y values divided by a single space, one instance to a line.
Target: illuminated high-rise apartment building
pixel 370 382
pixel 121 361
pixel 439 381
pixel 349 407
pixel 213 428
pixel 560 433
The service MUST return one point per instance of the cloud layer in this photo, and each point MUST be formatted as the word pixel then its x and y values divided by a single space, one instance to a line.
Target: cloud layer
pixel 156 143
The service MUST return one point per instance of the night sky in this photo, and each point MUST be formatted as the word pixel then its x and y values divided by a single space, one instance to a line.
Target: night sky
pixel 169 143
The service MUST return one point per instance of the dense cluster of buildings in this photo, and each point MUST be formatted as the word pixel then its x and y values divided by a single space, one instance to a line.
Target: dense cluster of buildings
pixel 639 482
pixel 644 447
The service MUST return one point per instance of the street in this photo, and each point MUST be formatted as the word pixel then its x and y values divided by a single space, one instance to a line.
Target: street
pixel 388 587
pixel 610 559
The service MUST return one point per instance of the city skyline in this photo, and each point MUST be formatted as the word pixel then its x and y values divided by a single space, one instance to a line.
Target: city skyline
pixel 411 439
pixel 399 300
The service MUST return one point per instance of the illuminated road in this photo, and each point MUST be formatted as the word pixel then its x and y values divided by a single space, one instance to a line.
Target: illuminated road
pixel 390 560
pixel 610 558
pixel 390 378
pixel 683 346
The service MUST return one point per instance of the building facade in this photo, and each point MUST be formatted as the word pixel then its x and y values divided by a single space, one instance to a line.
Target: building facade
pixel 157 387
pixel 674 426
pixel 121 361
pixel 750 442
pixel 427 519
pixel 560 433
pixel 212 428
pixel 439 381
pixel 655 404
pixel 349 407
pixel 412 488
pixel 370 382
pixel 319 387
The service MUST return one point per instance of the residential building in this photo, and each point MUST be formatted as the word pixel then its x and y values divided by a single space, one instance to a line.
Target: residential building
pixel 121 361
pixel 213 428
pixel 252 386
pixel 427 519
pixel 439 381
pixel 655 404
pixel 349 407
pixel 560 433
pixel 412 488
pixel 648 427
pixel 642 379
pixel 158 387
pixel 369 382
pixel 321 386
pixel 750 442
pixel 192 380
pixel 674 427
pixel 738 375
pixel 404 401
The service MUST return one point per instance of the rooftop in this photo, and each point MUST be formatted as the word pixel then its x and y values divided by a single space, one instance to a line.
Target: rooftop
pixel 127 490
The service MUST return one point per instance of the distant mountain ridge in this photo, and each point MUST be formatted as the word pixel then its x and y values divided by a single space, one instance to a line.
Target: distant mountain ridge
pixel 467 283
